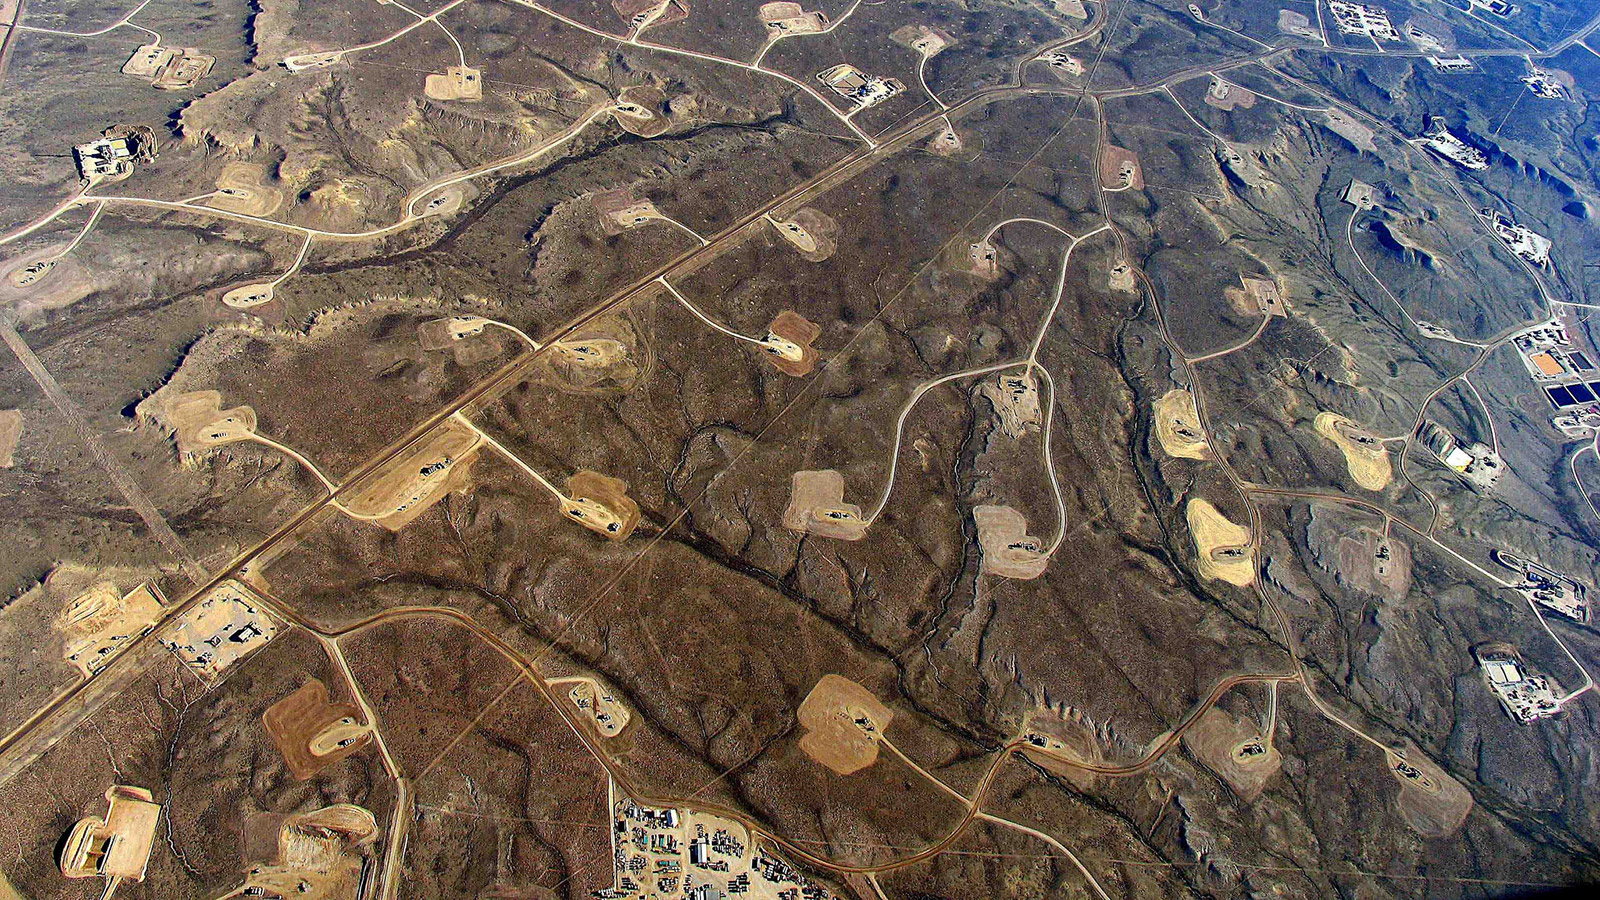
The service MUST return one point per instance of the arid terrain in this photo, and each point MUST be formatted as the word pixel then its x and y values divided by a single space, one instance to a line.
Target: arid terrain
pixel 719 449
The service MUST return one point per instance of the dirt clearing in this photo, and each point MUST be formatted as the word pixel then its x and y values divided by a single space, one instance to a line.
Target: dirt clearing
pixel 812 232
pixel 1228 97
pixel 843 724
pixel 1119 170
pixel 1008 550
pixel 201 424
pixel 1235 750
pixel 1015 398
pixel 1223 548
pixel 312 732
pixel 1432 803
pixel 788 343
pixel 97 624
pixel 416 478
pixel 816 506
pixel 1178 426
pixel 462 83
pixel 1364 453
pixel 601 504
pixel 242 188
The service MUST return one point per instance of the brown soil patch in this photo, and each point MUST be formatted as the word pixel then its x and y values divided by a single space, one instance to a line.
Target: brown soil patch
pixel 1222 548
pixel 1364 454
pixel 440 334
pixel 812 232
pixel 416 478
pixel 1119 168
pixel 606 354
pixel 1264 296
pixel 241 188
pixel 97 623
pixel 1015 398
pixel 10 433
pixel 980 259
pixel 1120 278
pixel 788 343
pixel 1356 133
pixel 28 274
pixel 843 724
pixel 601 504
pixel 309 856
pixel 43 279
pixel 1239 302
pixel 313 733
pixel 1366 562
pixel 184 70
pixel 201 424
pixel 227 624
pixel 641 110
pixel 1432 803
pixel 1008 550
pixel 462 83
pixel 148 61
pixel 321 59
pixel 1235 750
pixel 945 142
pixel 1225 96
pixel 622 209
pixel 921 38
pixel 250 296
pixel 816 506
pixel 1178 426
pixel 1063 744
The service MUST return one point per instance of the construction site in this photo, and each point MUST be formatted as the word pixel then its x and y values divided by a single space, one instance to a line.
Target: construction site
pixel 1519 239
pixel 1163 591
pixel 784 19
pixel 683 854
pixel 1177 426
pixel 863 91
pixel 602 709
pixel 228 624
pixel 601 504
pixel 1546 587
pixel 460 83
pixel 1525 696
pixel 1359 18
pixel 1441 141
pixel 169 68
pixel 113 155
pixel 114 846
pixel 1477 463
pixel 1563 367
pixel 325 854
pixel 99 623
pixel 415 479
pixel 1015 398
pixel 788 343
